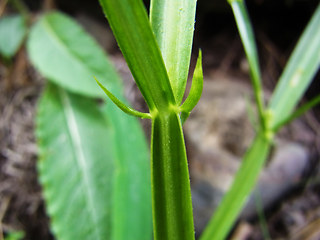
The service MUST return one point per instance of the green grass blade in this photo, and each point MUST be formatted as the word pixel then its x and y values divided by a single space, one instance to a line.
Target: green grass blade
pixel 63 52
pixel 129 22
pixel 298 73
pixel 195 91
pixel 299 112
pixel 246 33
pixel 172 207
pixel 243 183
pixel 172 22
pixel 73 140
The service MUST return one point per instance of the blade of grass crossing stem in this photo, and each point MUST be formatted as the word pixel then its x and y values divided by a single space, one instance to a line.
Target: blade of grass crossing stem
pixel 130 25
pixel 172 216
pixel 234 200
pixel 299 71
pixel 172 22
pixel 246 33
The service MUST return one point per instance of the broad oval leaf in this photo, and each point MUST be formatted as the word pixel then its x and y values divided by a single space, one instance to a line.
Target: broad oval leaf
pixel 64 53
pixel 130 195
pixel 132 213
pixel 76 165
pixel 12 32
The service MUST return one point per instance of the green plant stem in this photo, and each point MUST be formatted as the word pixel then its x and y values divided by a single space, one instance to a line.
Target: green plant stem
pixel 171 196
pixel 244 181
pixel 247 36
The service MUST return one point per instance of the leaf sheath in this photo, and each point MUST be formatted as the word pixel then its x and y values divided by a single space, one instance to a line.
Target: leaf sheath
pixel 172 208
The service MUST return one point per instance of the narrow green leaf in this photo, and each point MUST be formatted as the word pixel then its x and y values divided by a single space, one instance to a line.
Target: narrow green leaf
pixel 76 165
pixel 173 25
pixel 130 25
pixel 195 91
pixel 302 66
pixel 243 183
pixel 132 215
pixel 246 33
pixel 64 53
pixel 13 29
pixel 172 207
pixel 123 106
pixel 299 112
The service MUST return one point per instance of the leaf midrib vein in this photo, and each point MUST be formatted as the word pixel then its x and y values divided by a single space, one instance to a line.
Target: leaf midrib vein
pixel 80 157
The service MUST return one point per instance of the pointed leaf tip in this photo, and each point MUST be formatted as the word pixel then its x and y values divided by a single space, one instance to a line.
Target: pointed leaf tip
pixel 121 105
pixel 195 91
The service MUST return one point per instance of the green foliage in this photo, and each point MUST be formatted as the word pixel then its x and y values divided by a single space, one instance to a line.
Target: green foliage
pixel 13 29
pixel 243 183
pixel 248 40
pixel 195 91
pixel 96 185
pixel 173 24
pixel 62 51
pixel 122 105
pixel 131 212
pixel 14 236
pixel 172 217
pixel 297 75
pixel 130 25
pixel 77 192
pixel 93 159
pixel 172 207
